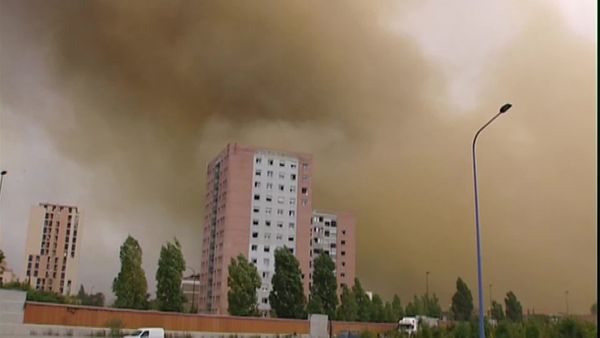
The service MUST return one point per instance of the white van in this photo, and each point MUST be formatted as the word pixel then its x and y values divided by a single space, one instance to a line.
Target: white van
pixel 409 325
pixel 148 333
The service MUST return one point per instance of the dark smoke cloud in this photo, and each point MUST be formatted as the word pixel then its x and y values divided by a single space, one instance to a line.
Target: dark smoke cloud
pixel 153 90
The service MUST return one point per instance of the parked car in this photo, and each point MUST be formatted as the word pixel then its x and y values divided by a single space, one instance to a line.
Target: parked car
pixel 149 332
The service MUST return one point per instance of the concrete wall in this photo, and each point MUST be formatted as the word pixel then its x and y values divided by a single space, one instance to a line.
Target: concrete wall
pixel 66 315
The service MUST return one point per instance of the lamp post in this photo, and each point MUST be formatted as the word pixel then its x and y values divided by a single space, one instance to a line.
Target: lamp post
pixel 427 284
pixel 2 173
pixel 567 300
pixel 503 110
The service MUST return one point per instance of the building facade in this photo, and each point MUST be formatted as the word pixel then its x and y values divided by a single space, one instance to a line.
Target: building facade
pixel 258 200
pixel 52 248
pixel 334 235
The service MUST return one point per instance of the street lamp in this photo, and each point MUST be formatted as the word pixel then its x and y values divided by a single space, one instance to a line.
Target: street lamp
pixel 567 300
pixel 503 110
pixel 2 173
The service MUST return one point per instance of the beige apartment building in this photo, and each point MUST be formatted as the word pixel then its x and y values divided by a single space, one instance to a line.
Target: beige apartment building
pixel 52 249
pixel 258 200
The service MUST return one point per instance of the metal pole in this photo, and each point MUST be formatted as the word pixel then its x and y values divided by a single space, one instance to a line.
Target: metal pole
pixel 2 173
pixel 503 109
pixel 567 300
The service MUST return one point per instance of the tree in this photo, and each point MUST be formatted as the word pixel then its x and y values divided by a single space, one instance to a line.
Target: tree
pixel 130 285
pixel 514 310
pixel 497 311
pixel 389 316
pixel 169 274
pixel 323 292
pixel 287 296
pixel 377 309
pixel 594 308
pixel 415 307
pixel 84 298
pixel 462 301
pixel 2 257
pixel 362 302
pixel 432 306
pixel 243 280
pixel 397 308
pixel 348 309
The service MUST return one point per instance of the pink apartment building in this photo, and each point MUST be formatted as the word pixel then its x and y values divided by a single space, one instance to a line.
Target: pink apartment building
pixel 258 200
pixel 52 248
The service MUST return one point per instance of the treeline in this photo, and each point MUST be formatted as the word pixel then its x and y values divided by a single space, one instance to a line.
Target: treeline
pixel 33 295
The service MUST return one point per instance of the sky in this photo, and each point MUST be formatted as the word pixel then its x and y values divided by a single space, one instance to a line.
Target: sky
pixel 117 107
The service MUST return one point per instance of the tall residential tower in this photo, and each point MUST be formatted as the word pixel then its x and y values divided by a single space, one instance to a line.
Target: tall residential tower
pixel 52 249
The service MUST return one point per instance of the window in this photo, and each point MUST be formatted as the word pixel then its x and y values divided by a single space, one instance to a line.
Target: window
pixel 280 224
pixel 254 247
pixel 264 300
pixel 266 261
pixel 269 186
pixel 267 248
pixel 279 237
pixel 281 175
pixel 342 275
pixel 254 261
pixel 290 239
pixel 268 211
pixel 293 165
pixel 281 187
pixel 255 235
pixel 304 191
pixel 269 173
pixel 258 160
pixel 343 263
pixel 292 201
pixel 293 177
pixel 343 253
pixel 280 199
pixel 282 164
pixel 292 213
pixel 258 172
pixel 268 223
pixel 279 211
pixel 304 202
pixel 269 198
pixel 256 209
pixel 257 184
pixel 292 188
pixel 291 225
pixel 343 242
pixel 256 197
pixel 254 222
pixel 270 162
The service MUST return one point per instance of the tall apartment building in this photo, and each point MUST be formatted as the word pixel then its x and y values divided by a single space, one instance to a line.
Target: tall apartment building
pixel 333 234
pixel 52 248
pixel 256 201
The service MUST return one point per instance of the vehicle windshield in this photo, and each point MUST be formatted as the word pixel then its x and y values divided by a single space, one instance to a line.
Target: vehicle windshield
pixel 137 333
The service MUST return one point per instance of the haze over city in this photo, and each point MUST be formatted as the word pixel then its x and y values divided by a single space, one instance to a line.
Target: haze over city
pixel 117 107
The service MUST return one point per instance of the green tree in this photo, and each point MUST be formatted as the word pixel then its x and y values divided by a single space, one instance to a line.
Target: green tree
pixel 84 298
pixel 462 301
pixel 130 285
pixel 362 302
pixel 415 307
pixel 287 296
pixel 169 274
pixel 2 257
pixel 348 309
pixel 497 311
pixel 323 291
pixel 514 310
pixel 397 308
pixel 377 309
pixel 388 312
pixel 432 306
pixel 594 309
pixel 243 280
